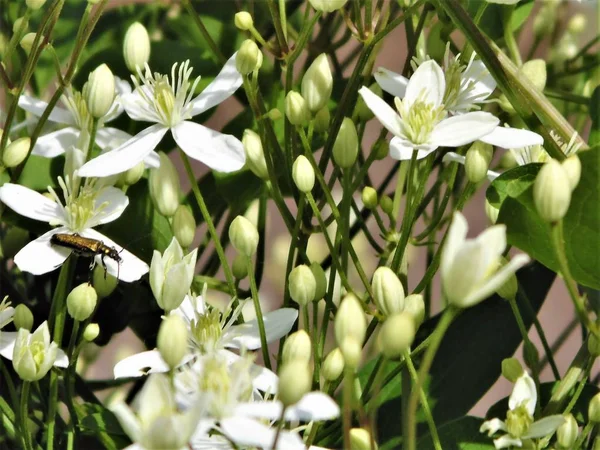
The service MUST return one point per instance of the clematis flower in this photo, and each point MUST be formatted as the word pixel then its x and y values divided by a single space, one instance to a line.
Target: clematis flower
pixel 6 313
pixel 168 103
pixel 85 207
pixel 469 266
pixel 519 424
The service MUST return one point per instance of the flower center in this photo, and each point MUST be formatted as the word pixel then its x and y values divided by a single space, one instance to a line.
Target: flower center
pixel 38 353
pixel 453 88
pixel 207 331
pixel 518 421
pixel 418 119
pixel 77 106
pixel 530 154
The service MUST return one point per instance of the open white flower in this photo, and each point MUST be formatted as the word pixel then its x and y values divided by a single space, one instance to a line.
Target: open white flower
pixel 519 424
pixel 168 103
pixel 469 266
pixel 84 207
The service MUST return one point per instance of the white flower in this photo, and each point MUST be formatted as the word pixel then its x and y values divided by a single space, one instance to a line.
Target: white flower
pixel 469 266
pixel 6 312
pixel 421 122
pixel 519 423
pixel 85 207
pixel 168 103
pixel 210 333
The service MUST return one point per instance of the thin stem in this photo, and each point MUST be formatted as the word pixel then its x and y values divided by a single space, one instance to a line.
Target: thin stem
pixel 259 315
pixel 283 18
pixel 204 32
pixel 92 139
pixel 281 39
pixel 347 412
pixel 23 408
pixel 279 427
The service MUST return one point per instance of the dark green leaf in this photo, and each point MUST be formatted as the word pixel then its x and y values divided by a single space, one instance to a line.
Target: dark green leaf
pixel 460 434
pixel 101 423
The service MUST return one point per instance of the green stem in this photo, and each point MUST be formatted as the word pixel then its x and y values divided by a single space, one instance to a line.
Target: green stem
pixel 587 429
pixel 347 412
pixel 23 413
pixel 281 39
pixel 509 38
pixel 259 315
pixel 204 32
pixel 92 139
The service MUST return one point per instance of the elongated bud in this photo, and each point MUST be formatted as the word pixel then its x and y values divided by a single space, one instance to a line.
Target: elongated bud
pixel 594 409
pixel 535 71
pixel 572 167
pixel 388 291
pixel 333 366
pixel 397 334
pixel 296 109
pixel 317 83
pixel 369 197
pixel 249 57
pixel 352 352
pixel 302 285
pixel 508 290
pixel 23 317
pixel 545 21
pixel 327 5
pixel 491 212
pixel 255 156
pixel 593 345
pixel 512 369
pixel 322 119
pixel 345 148
pixel 136 46
pixel 297 347
pixel 172 340
pixel 387 204
pixel 91 332
pixel 567 433
pixel 184 226
pixel 350 320
pixel 360 439
pixel 364 112
pixel 239 267
pixel 133 175
pixel 243 236
pixel 294 381
pixel 103 286
pixel 243 21
pixel 303 174
pixel 81 302
pixel 321 280
pixel 99 91
pixel 27 41
pixel 477 161
pixel 34 5
pixel 552 192
pixel 16 152
pixel 164 186
pixel 415 306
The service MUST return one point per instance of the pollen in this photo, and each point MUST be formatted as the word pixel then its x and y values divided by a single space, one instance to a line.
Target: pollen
pixel 207 331
pixel 75 103
pixel 418 119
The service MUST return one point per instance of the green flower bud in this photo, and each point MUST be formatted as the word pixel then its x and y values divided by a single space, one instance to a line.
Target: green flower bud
pixel 133 175
pixel 333 366
pixel 296 109
pixel 20 22
pixel 369 197
pixel 303 174
pixel 567 433
pixel 397 334
pixel 317 83
pixel 255 157
pixel 164 186
pixel 508 291
pixel 322 119
pixel 172 340
pixel 243 236
pixel 327 5
pixel 184 226
pixel 352 352
pixel 594 409
pixel 381 149
pixel 577 24
pixel 552 192
pixel 302 285
pixel 136 46
pixel 297 347
pixel 345 147
pixel 27 41
pixel 572 167
pixel 593 345
pixel 34 5
pixel 274 114
pixel 508 161
pixel 239 267
pixel 350 320
pixel 16 152
pixel 103 286
pixel 364 112
pixel 415 306
pixel 360 439
pixel 23 317
pixel 91 332
pixel 321 280
pixel 535 71
pixel 477 161
pixel 491 212
pixel 249 57
pixel 512 369
pixel 531 356
pixel 295 380
pixel 387 291
pixel 81 302
pixel 243 21
pixel 387 204
pixel 99 91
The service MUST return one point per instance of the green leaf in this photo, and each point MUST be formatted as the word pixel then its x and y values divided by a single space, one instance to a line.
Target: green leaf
pixel 460 434
pixel 39 172
pixel 101 423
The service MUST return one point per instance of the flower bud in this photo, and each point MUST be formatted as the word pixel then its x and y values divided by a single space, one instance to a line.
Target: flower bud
pixel 567 433
pixel 593 345
pixel 239 267
pixel 297 347
pixel 136 46
pixel 23 317
pixel 296 109
pixel 321 120
pixel 327 5
pixel 508 291
pixel 20 22
pixel 91 332
pixel 333 366
pixel 381 150
pixel 243 21
pixel 572 167
pixel 387 291
pixel 27 41
pixel 34 354
pixel 577 24
pixel 477 161
pixel 531 356
pixel 34 5
pixel 184 226
pixel 594 409
pixel 321 280
pixel 133 175
pixel 350 320
pixel 317 83
pixel 535 71
pixel 99 91
pixel 255 157
pixel 302 285
pixel 303 174
pixel 274 114
pixel 295 380
pixel 552 192
pixel 249 57
pixel 387 204
pixel 243 236
pixel 360 439
pixel 172 340
pixel 81 302
pixel 512 369
pixel 352 352
pixel 364 112
pixel 103 286
pixel 508 161
pixel 397 334
pixel 491 212
pixel 345 147
pixel 415 306
pixel 164 186
pixel 16 152
pixel 369 197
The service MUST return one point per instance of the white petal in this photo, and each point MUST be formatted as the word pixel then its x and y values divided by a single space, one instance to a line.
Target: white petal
pixel 29 203
pixel 221 152
pixel 39 256
pixel 493 242
pixel 428 79
pixel 61 359
pixel 37 108
pixel 152 160
pixel 384 112
pixel 507 441
pixel 400 150
pixel 108 138
pixel 313 406
pixel 544 427
pixel 463 129
pixel 506 137
pixel 492 426
pixel 277 324
pixel 249 432
pixel 7 343
pixel 116 202
pixel 270 410
pixel 140 364
pixel 128 420
pixel 130 269
pixel 126 156
pixel 523 393
pixel 483 81
pixel 265 380
pixel 54 144
pixel 457 234
pixel 186 310
pixel 391 82
pixel 223 86
pixel 138 109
